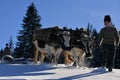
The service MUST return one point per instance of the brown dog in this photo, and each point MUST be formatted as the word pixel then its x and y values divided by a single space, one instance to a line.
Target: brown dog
pixel 68 59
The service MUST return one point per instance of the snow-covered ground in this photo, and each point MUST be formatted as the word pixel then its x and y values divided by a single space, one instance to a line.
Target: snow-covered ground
pixel 52 72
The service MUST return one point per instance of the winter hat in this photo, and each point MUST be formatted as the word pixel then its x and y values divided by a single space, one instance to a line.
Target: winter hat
pixel 107 18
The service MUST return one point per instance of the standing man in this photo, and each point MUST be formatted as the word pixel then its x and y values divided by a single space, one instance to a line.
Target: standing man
pixel 7 50
pixel 7 55
pixel 108 39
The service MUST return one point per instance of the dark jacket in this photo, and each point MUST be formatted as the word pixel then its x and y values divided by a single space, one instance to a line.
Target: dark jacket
pixel 7 51
pixel 109 35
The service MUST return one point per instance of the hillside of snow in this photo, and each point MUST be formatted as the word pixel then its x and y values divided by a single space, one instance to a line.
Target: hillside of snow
pixel 50 72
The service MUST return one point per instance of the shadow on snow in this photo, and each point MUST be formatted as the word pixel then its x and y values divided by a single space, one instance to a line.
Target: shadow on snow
pixel 24 70
pixel 92 73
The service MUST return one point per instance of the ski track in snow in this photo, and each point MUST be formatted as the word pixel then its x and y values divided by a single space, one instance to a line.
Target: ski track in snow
pixel 52 72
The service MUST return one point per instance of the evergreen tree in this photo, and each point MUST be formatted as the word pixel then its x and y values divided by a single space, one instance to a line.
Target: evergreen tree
pixel 117 57
pixel 11 43
pixel 1 54
pixel 97 52
pixel 89 29
pixel 95 34
pixel 31 22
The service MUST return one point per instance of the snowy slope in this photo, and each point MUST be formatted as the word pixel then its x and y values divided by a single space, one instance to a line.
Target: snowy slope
pixel 50 72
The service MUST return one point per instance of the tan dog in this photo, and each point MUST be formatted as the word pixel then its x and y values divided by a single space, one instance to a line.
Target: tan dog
pixel 68 59
pixel 39 53
pixel 39 56
pixel 75 55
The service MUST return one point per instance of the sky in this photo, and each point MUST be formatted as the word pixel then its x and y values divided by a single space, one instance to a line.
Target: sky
pixel 70 13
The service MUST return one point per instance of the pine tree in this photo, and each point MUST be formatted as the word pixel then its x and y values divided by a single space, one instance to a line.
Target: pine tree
pixel 31 22
pixel 117 57
pixel 1 54
pixel 89 29
pixel 97 52
pixel 11 43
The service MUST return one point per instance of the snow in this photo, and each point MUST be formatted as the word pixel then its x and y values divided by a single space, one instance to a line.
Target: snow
pixel 50 72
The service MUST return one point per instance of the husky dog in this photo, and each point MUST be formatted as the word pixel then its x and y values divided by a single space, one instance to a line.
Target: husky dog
pixel 75 55
pixel 48 43
pixel 79 52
